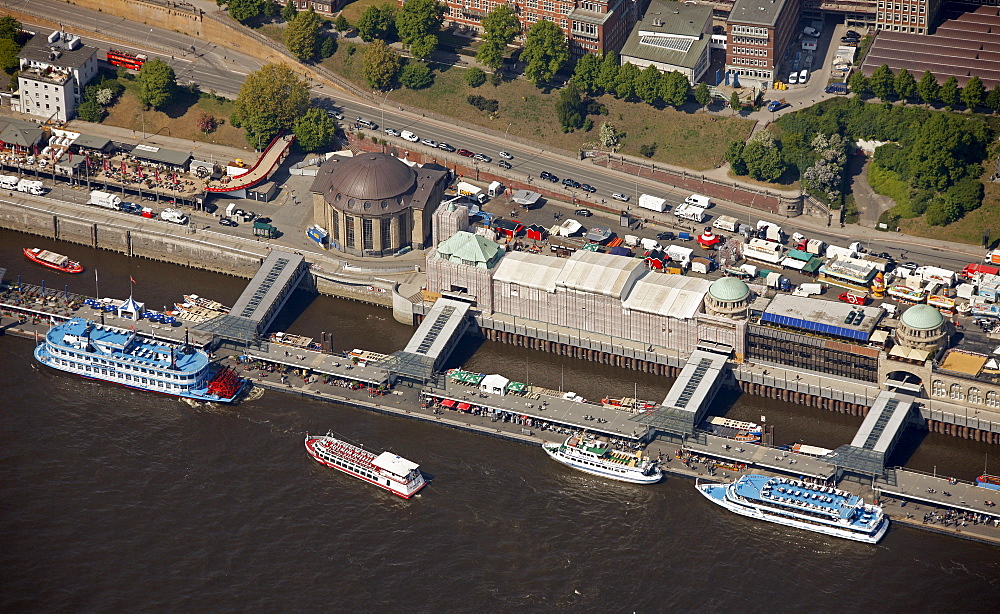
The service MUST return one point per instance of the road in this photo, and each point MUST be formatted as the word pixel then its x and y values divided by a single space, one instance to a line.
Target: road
pixel 223 71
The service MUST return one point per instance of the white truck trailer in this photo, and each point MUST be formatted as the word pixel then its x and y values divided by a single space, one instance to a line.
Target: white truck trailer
pixel 690 212
pixel 726 222
pixel 699 201
pixel 647 201
pixel 769 231
pixel 762 250
pixel 474 192
pixel 105 199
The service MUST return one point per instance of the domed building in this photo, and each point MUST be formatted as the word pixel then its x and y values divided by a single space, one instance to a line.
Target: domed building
pixel 729 297
pixel 375 205
pixel 922 327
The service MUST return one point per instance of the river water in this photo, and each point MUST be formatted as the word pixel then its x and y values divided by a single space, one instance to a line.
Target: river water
pixel 112 499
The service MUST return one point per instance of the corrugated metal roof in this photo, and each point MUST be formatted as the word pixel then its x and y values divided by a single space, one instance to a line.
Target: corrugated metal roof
pixel 605 274
pixel 530 270
pixel 469 248
pixel 668 295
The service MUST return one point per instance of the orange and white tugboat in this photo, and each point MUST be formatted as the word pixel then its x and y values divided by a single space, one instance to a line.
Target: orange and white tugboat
pixel 53 260
pixel 386 470
pixel 628 404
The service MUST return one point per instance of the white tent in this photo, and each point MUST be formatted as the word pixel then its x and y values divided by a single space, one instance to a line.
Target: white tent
pixel 494 384
pixel 131 309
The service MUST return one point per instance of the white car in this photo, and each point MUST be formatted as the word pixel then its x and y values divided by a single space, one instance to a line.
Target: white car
pixel 811 32
pixel 793 78
pixel 429 143
pixel 409 136
pixel 620 196
pixel 506 156
pixel 803 75
pixel 392 132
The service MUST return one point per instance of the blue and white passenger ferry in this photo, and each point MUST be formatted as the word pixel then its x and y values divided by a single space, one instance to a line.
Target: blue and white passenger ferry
pixel 112 354
pixel 587 453
pixel 795 503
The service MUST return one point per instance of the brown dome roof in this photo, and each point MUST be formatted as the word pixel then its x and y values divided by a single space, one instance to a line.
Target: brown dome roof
pixel 369 176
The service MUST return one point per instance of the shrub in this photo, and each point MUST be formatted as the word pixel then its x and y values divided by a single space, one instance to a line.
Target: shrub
pixel 484 104
pixel 475 77
pixel 648 150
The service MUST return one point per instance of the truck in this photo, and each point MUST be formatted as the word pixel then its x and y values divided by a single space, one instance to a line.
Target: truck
pixel 699 201
pixel 809 289
pixel 31 187
pixel 104 199
pixel 992 257
pixel 936 274
pixel 8 182
pixel 815 247
pixel 769 231
pixel 680 254
pixel 495 189
pixel 726 222
pixel 687 211
pixel 263 229
pixel 471 191
pixel 835 251
pixel 652 203
pixel 778 282
pixel 173 215
pixel 973 270
pixel 763 250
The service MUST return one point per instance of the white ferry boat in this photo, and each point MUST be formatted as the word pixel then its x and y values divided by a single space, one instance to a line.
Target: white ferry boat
pixel 795 503
pixel 111 354
pixel 386 470
pixel 739 430
pixel 595 456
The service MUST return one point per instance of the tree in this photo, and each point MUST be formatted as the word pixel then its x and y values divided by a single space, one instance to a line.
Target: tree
pixel 377 22
pixel 674 88
pixel 341 23
pixel 905 84
pixel 381 65
pixel 245 10
pixel 156 83
pixel 701 94
pixel 608 136
pixel 627 77
pixel 570 108
pixel 858 83
pixel 288 12
pixel 10 28
pixel 734 155
pixel 647 84
pixel 763 162
pixel 8 55
pixel 734 102
pixel 546 50
pixel 270 100
pixel 475 76
pixel 490 54
pixel 315 130
pixel 882 82
pixel 973 93
pixel 418 23
pixel 90 111
pixel 302 35
pixel 928 88
pixel 949 92
pixel 607 79
pixel 993 99
pixel 416 75
pixel 327 47
pixel 586 73
pixel 207 122
pixel 942 212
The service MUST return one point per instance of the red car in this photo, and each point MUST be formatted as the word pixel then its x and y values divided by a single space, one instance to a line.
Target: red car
pixel 465 152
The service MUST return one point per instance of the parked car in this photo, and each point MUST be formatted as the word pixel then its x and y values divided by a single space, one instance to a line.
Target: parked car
pixel 409 136
pixel 505 164
pixel 665 236
pixel 364 123
pixel 429 143
pixel 836 88
pixel 793 78
pixel 546 175
pixel 912 266
pixel 620 196
pixel 811 32
pixel 850 40
pixel 446 147
pixel 227 222
pixel 803 75
pixel 852 34
pixel 776 105
pixel 569 183
pixel 466 153
pixel 482 158
pixel 335 114
pixel 586 187
pixel 584 212
pixel 391 131
pixel 506 156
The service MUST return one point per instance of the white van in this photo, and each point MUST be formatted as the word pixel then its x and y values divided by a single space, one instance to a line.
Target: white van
pixel 409 136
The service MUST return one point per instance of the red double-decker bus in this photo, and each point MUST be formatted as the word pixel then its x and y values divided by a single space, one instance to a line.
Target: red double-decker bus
pixel 131 61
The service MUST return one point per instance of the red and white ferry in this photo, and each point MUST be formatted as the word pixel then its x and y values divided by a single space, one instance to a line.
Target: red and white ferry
pixel 386 470
pixel 52 260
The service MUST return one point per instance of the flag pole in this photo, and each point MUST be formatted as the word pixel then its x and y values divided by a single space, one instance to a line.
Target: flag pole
pixel 97 288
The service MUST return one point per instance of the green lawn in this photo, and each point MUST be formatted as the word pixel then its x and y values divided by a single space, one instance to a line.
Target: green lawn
pixel 693 141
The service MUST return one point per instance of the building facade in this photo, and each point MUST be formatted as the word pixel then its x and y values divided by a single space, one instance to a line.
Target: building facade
pixel 911 16
pixel 53 73
pixel 759 32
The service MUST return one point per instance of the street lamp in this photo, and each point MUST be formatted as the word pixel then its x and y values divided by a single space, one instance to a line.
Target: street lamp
pixel 384 101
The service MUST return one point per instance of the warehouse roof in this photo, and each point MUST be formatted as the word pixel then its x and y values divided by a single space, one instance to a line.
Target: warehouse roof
pixel 530 270
pixel 821 316
pixel 676 296
pixel 605 274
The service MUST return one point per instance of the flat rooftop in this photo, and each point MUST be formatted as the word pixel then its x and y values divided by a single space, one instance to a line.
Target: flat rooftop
pixel 822 316
pixel 756 12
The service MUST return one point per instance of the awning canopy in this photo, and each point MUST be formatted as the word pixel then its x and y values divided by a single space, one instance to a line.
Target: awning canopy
pixel 464 406
pixel 448 402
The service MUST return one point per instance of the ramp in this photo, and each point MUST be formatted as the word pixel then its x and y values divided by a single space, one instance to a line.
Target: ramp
pixel 690 396
pixel 263 298
pixel 261 171
pixel 432 343
pixel 877 436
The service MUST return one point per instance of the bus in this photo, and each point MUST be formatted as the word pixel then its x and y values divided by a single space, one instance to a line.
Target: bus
pixel 131 61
